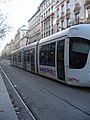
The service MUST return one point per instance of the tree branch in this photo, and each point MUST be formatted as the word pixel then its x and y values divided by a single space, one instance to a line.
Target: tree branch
pixel 4 27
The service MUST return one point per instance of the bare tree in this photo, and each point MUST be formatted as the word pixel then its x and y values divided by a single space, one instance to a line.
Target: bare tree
pixel 4 26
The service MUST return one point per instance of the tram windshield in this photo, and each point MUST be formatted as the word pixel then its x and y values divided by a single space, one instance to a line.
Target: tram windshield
pixel 78 52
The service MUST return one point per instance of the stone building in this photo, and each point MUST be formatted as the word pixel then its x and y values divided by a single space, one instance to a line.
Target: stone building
pixel 52 16
pixel 56 15
pixel 47 18
pixel 33 32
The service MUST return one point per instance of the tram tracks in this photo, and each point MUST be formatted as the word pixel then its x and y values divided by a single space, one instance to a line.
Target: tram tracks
pixel 35 117
pixel 29 110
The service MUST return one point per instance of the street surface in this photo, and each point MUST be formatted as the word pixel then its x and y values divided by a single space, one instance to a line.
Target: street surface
pixel 48 99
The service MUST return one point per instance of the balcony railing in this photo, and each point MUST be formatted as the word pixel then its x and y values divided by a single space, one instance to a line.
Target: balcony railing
pixel 77 7
pixel 76 21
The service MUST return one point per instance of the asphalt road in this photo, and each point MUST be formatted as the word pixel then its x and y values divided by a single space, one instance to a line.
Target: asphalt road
pixel 50 100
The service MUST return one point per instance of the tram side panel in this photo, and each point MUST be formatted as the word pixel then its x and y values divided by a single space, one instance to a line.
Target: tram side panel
pixel 30 52
pixel 20 58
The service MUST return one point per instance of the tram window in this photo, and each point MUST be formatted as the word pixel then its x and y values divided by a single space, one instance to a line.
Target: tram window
pixel 28 56
pixel 19 57
pixel 32 54
pixel 42 55
pixel 14 57
pixel 24 56
pixel 78 52
pixel 50 53
pixel 32 59
pixel 47 54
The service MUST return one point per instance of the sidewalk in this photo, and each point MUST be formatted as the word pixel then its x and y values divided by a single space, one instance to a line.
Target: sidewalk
pixel 6 108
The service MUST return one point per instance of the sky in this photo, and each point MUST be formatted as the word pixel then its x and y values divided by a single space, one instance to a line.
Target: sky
pixel 19 12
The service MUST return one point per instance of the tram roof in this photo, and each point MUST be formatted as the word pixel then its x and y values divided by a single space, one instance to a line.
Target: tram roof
pixel 17 50
pixel 81 30
pixel 26 47
pixel 30 45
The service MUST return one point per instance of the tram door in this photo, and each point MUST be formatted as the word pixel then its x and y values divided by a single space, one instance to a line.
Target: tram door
pixel 32 59
pixel 24 60
pixel 60 60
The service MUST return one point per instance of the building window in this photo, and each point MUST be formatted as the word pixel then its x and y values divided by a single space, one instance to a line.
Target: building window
pixel 52 31
pixel 44 15
pixel 42 18
pixel 68 4
pixel 42 8
pixel 52 9
pixel 44 5
pixel 57 27
pixel 47 13
pixel 49 32
pixel 58 12
pixel 44 35
pixel 88 12
pixel 62 25
pixel 68 22
pixel 77 17
pixel 62 8
pixel 52 20
pixel 44 26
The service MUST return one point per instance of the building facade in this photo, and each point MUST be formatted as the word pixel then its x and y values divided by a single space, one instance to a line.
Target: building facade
pixel 12 45
pixel 20 39
pixel 6 51
pixel 87 11
pixel 52 16
pixel 47 18
pixel 33 32
pixel 56 15
pixel 69 12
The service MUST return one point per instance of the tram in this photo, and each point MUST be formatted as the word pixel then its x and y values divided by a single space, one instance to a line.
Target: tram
pixel 63 56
